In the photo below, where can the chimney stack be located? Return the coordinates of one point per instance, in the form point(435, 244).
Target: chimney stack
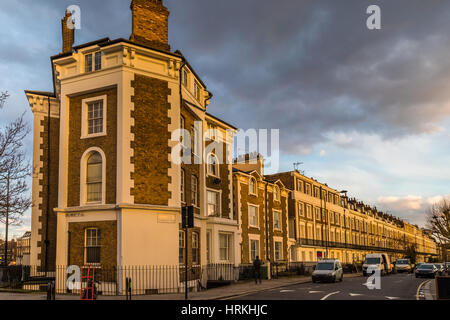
point(68, 34)
point(150, 24)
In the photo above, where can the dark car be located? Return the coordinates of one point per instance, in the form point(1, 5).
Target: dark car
point(426, 270)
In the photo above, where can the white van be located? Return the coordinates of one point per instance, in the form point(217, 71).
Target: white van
point(379, 260)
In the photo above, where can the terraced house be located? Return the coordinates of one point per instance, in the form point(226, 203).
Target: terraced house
point(326, 223)
point(261, 205)
point(105, 186)
point(112, 170)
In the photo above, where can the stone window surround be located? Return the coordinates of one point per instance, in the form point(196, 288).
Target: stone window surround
point(229, 244)
point(254, 237)
point(257, 216)
point(250, 191)
point(84, 117)
point(83, 175)
point(278, 240)
point(281, 219)
point(217, 175)
point(276, 190)
point(86, 246)
point(219, 204)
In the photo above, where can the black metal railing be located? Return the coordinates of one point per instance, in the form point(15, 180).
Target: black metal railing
point(111, 280)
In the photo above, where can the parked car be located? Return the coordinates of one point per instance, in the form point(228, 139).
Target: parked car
point(440, 269)
point(328, 270)
point(426, 270)
point(403, 265)
point(377, 260)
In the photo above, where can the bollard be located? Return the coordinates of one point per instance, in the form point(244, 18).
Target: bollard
point(128, 288)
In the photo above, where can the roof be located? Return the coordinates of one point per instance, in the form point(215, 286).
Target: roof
point(221, 121)
point(41, 93)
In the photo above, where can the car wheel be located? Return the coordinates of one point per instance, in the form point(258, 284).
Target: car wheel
point(314, 281)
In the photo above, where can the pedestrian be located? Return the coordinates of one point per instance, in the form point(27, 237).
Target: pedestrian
point(257, 270)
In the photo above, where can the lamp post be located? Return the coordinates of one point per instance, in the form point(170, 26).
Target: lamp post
point(344, 205)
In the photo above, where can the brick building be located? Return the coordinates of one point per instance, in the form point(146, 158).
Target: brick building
point(107, 190)
point(105, 186)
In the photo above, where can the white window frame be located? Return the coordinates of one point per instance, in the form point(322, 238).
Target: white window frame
point(277, 191)
point(250, 191)
point(257, 216)
point(280, 228)
point(208, 165)
point(254, 237)
point(84, 117)
point(230, 246)
point(183, 240)
point(183, 186)
point(219, 204)
point(195, 203)
point(83, 177)
point(86, 246)
point(280, 241)
point(301, 212)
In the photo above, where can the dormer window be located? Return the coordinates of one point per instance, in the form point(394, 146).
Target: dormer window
point(276, 193)
point(98, 61)
point(252, 186)
point(88, 63)
point(93, 63)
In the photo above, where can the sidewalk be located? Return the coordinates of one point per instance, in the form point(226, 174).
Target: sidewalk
point(429, 290)
point(226, 292)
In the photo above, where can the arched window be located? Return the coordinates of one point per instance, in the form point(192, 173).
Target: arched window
point(276, 193)
point(213, 165)
point(252, 186)
point(94, 177)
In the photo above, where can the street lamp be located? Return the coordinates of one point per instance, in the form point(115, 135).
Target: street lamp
point(344, 195)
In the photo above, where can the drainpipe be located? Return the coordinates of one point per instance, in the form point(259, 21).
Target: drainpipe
point(47, 242)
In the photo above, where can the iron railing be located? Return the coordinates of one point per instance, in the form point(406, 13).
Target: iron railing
point(111, 281)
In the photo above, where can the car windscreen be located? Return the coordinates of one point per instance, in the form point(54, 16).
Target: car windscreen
point(372, 261)
point(402, 262)
point(325, 266)
point(426, 267)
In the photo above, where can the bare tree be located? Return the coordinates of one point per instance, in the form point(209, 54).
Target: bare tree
point(3, 97)
point(14, 170)
point(439, 220)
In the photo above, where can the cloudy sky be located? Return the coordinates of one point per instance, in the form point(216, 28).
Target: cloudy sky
point(366, 111)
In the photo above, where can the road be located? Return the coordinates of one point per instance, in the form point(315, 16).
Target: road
point(393, 287)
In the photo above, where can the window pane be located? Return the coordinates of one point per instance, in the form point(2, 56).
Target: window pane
point(98, 60)
point(88, 63)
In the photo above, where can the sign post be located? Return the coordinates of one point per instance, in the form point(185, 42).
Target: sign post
point(187, 218)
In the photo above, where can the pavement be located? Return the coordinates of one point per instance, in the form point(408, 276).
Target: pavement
point(392, 287)
point(226, 292)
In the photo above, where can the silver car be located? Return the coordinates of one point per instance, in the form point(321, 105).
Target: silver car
point(328, 270)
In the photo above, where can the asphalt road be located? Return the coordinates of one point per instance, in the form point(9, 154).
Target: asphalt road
point(393, 287)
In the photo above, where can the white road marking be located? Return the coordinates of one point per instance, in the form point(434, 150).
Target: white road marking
point(315, 291)
point(392, 298)
point(355, 294)
point(329, 295)
point(283, 291)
